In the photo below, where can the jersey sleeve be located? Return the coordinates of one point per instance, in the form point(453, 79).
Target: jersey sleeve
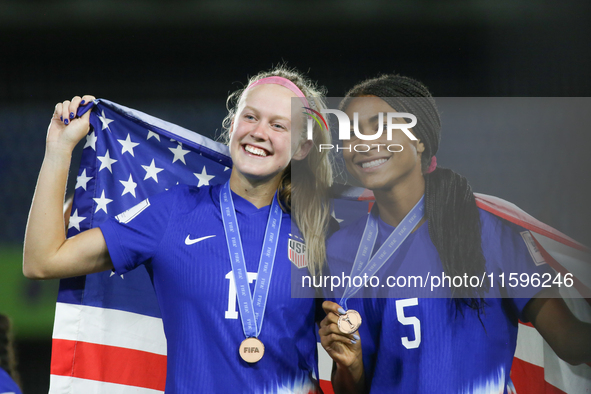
point(134, 236)
point(512, 256)
point(7, 385)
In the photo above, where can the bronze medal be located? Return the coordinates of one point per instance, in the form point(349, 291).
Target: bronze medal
point(251, 350)
point(349, 322)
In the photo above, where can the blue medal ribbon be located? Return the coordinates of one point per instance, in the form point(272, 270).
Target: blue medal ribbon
point(252, 309)
point(362, 264)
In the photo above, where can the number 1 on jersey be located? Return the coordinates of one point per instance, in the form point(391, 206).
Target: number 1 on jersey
point(232, 312)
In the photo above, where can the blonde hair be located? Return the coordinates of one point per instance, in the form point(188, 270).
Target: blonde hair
point(308, 191)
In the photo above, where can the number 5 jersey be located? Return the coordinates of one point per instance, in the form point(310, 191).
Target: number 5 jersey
point(417, 340)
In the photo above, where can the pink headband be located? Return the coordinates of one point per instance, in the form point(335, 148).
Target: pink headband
point(286, 83)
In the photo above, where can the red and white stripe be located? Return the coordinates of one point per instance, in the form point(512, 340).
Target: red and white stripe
point(299, 259)
point(536, 368)
point(98, 350)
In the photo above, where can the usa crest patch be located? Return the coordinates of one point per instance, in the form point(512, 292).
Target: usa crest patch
point(297, 253)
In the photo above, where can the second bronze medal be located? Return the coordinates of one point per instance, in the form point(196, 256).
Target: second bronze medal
point(349, 322)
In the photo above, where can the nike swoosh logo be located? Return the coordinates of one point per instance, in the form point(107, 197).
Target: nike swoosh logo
point(189, 241)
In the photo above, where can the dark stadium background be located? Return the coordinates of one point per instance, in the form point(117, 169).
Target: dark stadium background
point(179, 59)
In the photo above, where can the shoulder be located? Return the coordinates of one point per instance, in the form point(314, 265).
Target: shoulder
point(333, 226)
point(345, 232)
point(184, 198)
point(495, 229)
point(510, 246)
point(7, 384)
point(342, 245)
point(177, 201)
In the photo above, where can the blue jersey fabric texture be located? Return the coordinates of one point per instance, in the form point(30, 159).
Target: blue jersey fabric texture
point(194, 286)
point(7, 385)
point(426, 345)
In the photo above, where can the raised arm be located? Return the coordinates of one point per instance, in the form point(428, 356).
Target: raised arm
point(345, 350)
point(47, 252)
point(569, 337)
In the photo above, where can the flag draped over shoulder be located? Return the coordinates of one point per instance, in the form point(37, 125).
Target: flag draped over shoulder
point(108, 335)
point(536, 368)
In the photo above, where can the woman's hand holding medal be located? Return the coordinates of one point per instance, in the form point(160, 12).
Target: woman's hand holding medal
point(343, 348)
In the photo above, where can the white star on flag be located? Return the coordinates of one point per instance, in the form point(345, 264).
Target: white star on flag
point(129, 185)
point(226, 169)
point(203, 178)
point(179, 154)
point(335, 217)
point(82, 180)
point(152, 134)
point(128, 145)
point(113, 274)
point(101, 203)
point(106, 162)
point(152, 171)
point(105, 121)
point(75, 220)
point(90, 141)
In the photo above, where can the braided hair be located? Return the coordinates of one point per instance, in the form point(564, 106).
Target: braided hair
point(450, 206)
point(7, 357)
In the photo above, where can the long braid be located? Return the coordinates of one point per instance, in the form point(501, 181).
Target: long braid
point(454, 227)
point(7, 357)
point(450, 206)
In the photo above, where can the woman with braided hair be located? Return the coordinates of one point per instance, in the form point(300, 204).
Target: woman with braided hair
point(8, 374)
point(426, 220)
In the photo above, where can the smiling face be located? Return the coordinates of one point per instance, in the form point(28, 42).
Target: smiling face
point(260, 137)
point(381, 170)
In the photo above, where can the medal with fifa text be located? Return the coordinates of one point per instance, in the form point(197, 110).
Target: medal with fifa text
point(252, 350)
point(252, 308)
point(363, 266)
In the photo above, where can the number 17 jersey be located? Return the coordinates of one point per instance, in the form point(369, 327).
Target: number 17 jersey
point(179, 236)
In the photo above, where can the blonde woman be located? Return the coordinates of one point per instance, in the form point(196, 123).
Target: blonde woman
point(193, 237)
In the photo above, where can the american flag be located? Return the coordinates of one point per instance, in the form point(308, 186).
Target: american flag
point(536, 368)
point(108, 335)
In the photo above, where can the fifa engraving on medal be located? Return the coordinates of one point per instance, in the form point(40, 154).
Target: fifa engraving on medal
point(251, 350)
point(349, 322)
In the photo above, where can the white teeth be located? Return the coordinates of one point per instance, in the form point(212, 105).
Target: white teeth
point(374, 163)
point(255, 151)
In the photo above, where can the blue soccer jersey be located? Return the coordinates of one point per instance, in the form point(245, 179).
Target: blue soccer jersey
point(427, 345)
point(179, 236)
point(7, 385)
